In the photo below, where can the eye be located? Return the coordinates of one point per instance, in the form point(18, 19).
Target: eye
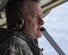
point(33, 15)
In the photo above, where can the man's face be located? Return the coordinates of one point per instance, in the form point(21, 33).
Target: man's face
point(33, 21)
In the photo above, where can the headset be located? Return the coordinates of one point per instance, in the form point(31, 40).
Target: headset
point(20, 21)
point(15, 20)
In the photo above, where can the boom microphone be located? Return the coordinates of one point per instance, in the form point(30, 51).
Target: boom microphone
point(51, 41)
point(42, 29)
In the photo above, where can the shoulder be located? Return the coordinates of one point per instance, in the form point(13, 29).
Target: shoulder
point(11, 43)
point(15, 45)
point(20, 45)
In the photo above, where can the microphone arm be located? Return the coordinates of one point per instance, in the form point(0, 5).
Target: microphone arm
point(52, 42)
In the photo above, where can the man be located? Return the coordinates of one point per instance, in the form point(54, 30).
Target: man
point(24, 18)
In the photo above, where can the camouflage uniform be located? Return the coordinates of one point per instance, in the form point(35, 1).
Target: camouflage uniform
point(18, 44)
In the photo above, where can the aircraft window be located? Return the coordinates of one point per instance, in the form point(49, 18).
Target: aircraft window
point(56, 23)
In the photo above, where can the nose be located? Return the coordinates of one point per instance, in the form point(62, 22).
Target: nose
point(41, 22)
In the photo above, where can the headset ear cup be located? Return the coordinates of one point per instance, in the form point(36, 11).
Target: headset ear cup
point(21, 24)
point(20, 21)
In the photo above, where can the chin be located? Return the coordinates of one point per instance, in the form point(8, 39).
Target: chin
point(39, 35)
